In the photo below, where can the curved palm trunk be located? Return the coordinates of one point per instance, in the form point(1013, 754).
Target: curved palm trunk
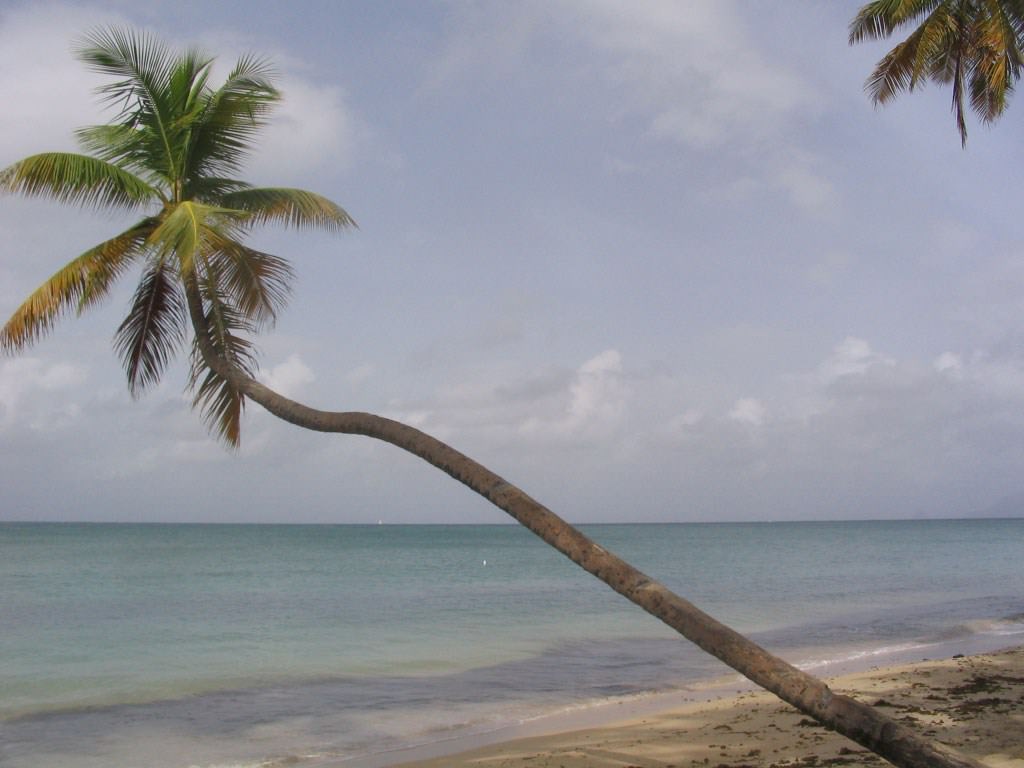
point(856, 720)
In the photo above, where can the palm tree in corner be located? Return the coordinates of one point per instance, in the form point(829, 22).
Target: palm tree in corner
point(975, 46)
point(171, 154)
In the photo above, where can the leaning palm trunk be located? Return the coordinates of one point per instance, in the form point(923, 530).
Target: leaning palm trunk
point(854, 719)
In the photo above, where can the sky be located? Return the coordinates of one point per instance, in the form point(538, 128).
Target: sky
point(650, 261)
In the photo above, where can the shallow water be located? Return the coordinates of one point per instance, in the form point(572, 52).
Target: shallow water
point(184, 645)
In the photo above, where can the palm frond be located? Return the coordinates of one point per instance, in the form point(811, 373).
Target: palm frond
point(142, 63)
point(80, 179)
point(188, 226)
point(219, 402)
point(974, 46)
point(291, 207)
point(82, 282)
point(211, 189)
point(178, 142)
point(258, 284)
point(158, 93)
point(998, 59)
point(222, 135)
point(114, 143)
point(220, 405)
point(152, 332)
point(880, 18)
point(903, 67)
point(110, 259)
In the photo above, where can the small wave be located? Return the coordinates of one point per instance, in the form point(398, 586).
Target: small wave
point(1006, 626)
point(861, 655)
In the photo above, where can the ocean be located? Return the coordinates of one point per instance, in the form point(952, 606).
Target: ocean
point(245, 646)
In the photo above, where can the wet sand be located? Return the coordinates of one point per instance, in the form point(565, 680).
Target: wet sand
point(972, 704)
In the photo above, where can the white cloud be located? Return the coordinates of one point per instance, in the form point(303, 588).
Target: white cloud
point(596, 401)
point(809, 191)
point(851, 356)
point(289, 377)
point(30, 391)
point(748, 410)
point(694, 68)
point(312, 128)
point(859, 433)
point(47, 93)
point(949, 363)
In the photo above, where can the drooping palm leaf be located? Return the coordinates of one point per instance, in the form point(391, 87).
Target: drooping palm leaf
point(974, 46)
point(904, 66)
point(67, 177)
point(999, 60)
point(152, 332)
point(80, 283)
point(220, 404)
point(112, 259)
point(257, 283)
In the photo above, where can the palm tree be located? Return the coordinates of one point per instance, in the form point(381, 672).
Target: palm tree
point(170, 153)
point(975, 45)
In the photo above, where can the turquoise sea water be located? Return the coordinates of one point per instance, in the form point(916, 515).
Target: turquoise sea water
point(174, 646)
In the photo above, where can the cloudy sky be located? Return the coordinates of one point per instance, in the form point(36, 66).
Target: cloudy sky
point(654, 261)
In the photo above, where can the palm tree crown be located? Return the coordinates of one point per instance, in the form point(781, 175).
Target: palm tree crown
point(973, 45)
point(171, 153)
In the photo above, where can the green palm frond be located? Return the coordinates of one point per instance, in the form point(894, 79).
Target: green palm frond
point(188, 227)
point(159, 94)
point(141, 62)
point(144, 67)
point(68, 177)
point(116, 144)
point(903, 67)
point(152, 332)
point(81, 283)
point(212, 189)
point(291, 207)
point(222, 135)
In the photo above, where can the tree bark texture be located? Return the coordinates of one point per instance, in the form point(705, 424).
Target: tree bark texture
point(858, 721)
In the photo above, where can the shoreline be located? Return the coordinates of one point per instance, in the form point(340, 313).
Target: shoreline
point(974, 704)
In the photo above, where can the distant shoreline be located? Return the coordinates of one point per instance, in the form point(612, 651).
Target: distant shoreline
point(512, 523)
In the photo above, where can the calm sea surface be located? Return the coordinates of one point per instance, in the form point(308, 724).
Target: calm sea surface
point(173, 646)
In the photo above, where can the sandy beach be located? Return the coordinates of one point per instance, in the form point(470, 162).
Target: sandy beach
point(973, 704)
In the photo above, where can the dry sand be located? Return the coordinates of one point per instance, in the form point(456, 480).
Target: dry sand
point(973, 704)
